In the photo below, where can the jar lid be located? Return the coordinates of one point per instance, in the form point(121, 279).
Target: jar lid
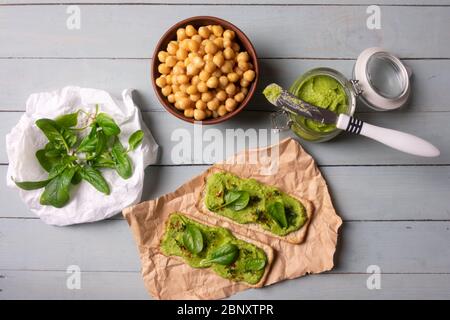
point(382, 80)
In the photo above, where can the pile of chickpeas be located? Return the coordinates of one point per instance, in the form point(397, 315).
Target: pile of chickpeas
point(203, 73)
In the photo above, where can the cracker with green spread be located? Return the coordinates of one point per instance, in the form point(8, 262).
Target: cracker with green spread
point(258, 206)
point(213, 248)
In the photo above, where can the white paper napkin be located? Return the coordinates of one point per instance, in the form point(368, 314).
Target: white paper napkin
point(86, 204)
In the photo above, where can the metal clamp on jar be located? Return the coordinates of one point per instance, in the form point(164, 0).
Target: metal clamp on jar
point(380, 80)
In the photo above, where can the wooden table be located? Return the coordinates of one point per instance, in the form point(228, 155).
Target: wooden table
point(395, 207)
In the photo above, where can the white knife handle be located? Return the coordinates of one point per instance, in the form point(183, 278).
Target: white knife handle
point(395, 139)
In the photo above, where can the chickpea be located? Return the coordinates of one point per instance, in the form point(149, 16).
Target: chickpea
point(207, 96)
point(204, 32)
point(183, 87)
point(197, 38)
point(182, 79)
point(233, 77)
point(249, 75)
point(178, 70)
point(199, 114)
point(171, 98)
point(210, 67)
point(192, 70)
point(217, 74)
point(222, 111)
point(161, 81)
point(227, 43)
point(204, 75)
point(229, 53)
point(243, 56)
point(230, 89)
point(227, 67)
point(219, 59)
point(244, 91)
point(181, 54)
point(208, 113)
point(217, 30)
point(221, 95)
point(163, 69)
point(195, 97)
point(181, 34)
point(244, 83)
point(175, 88)
point(166, 91)
point(200, 104)
point(172, 47)
point(198, 62)
point(212, 82)
point(212, 37)
point(191, 89)
point(169, 79)
point(208, 57)
point(162, 55)
point(195, 80)
point(235, 46)
point(223, 81)
point(180, 95)
point(213, 104)
point(230, 104)
point(193, 45)
point(239, 97)
point(215, 114)
point(171, 61)
point(218, 42)
point(189, 113)
point(202, 87)
point(177, 105)
point(184, 44)
point(239, 72)
point(244, 66)
point(210, 47)
point(190, 31)
point(185, 103)
point(229, 34)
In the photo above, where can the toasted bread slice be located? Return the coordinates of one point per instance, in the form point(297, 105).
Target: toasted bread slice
point(294, 237)
point(266, 248)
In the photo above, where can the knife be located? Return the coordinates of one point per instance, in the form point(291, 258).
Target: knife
point(402, 141)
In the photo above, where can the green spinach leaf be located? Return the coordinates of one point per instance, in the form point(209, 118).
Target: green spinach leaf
point(224, 255)
point(95, 178)
point(57, 192)
point(193, 238)
point(52, 131)
point(277, 212)
point(255, 264)
point(135, 139)
point(235, 200)
point(45, 161)
point(109, 126)
point(31, 185)
point(68, 120)
point(121, 160)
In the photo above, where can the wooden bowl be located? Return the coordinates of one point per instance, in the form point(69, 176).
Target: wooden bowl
point(197, 22)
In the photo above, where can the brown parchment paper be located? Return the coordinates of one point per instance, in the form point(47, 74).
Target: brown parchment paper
point(295, 173)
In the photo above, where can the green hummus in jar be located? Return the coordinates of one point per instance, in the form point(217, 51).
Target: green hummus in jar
point(325, 92)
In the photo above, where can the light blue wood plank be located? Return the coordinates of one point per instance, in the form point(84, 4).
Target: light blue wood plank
point(246, 2)
point(396, 247)
point(429, 85)
point(300, 31)
point(346, 149)
point(118, 285)
point(395, 191)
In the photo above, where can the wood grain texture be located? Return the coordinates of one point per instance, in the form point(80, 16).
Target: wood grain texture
point(397, 247)
point(300, 31)
point(346, 149)
point(119, 285)
point(395, 193)
point(429, 84)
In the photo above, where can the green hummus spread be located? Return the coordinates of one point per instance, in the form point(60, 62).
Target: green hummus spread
point(325, 92)
point(247, 266)
point(259, 209)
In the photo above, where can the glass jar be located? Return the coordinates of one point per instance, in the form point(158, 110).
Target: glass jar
point(380, 80)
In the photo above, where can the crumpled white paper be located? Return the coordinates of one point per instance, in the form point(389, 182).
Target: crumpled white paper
point(86, 203)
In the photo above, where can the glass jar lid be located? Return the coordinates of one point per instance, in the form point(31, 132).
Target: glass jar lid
point(381, 80)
